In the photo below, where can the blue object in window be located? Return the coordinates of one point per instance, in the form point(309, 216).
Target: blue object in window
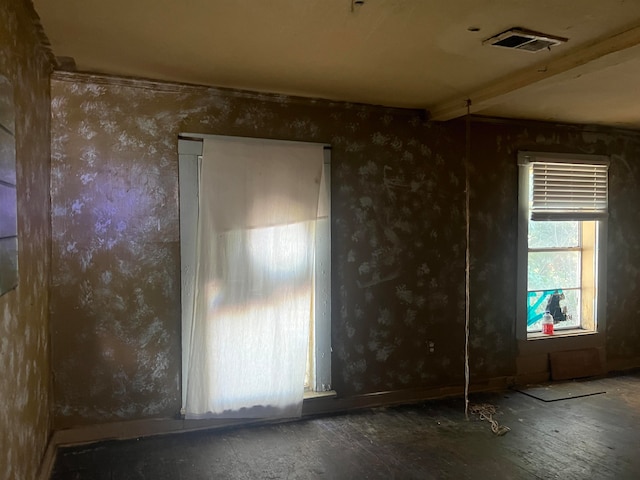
point(532, 316)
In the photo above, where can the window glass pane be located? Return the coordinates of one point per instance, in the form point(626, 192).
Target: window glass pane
point(573, 307)
point(8, 211)
point(552, 270)
point(538, 302)
point(536, 306)
point(8, 199)
point(554, 234)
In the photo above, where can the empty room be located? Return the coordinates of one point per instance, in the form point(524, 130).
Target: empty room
point(328, 239)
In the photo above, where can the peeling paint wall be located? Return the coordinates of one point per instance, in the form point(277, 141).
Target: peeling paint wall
point(398, 243)
point(25, 398)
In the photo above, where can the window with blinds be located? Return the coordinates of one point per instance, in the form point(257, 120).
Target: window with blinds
point(568, 191)
point(563, 207)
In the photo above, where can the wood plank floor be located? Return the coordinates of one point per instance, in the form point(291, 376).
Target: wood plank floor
point(594, 437)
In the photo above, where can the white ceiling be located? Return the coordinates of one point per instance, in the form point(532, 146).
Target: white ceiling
point(404, 53)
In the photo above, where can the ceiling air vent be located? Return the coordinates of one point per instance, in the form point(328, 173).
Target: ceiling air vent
point(521, 39)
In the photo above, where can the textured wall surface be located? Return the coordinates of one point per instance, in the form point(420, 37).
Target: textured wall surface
point(623, 256)
point(24, 346)
point(398, 241)
point(494, 223)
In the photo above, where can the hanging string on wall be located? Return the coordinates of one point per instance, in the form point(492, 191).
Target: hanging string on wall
point(485, 411)
point(467, 263)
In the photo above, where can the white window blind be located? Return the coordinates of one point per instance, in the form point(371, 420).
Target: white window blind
point(568, 190)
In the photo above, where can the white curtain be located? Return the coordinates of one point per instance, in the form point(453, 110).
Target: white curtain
point(258, 204)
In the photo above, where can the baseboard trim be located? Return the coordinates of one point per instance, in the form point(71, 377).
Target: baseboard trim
point(322, 405)
point(141, 428)
point(533, 378)
point(48, 460)
point(623, 364)
point(314, 406)
point(329, 405)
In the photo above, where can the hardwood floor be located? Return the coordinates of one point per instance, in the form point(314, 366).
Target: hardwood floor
point(592, 437)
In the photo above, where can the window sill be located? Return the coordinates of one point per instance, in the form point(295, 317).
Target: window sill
point(310, 395)
point(574, 332)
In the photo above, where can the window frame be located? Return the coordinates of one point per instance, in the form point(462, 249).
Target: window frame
point(525, 159)
point(585, 276)
point(189, 158)
point(8, 191)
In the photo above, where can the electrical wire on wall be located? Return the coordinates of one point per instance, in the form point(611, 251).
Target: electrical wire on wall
point(484, 411)
point(467, 262)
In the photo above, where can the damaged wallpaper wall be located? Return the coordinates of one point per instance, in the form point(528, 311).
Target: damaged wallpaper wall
point(494, 223)
point(25, 400)
point(398, 239)
point(398, 243)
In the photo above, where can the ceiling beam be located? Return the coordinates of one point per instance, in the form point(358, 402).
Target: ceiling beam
point(502, 89)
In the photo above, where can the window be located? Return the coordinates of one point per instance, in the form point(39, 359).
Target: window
point(8, 197)
point(318, 370)
point(561, 242)
point(267, 236)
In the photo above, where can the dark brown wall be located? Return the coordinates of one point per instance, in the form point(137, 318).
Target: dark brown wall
point(494, 148)
point(25, 400)
point(398, 244)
